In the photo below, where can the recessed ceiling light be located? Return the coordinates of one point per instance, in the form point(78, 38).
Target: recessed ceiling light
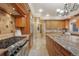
point(58, 10)
point(47, 15)
point(40, 10)
point(13, 8)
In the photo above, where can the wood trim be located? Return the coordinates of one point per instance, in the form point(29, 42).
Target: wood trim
point(21, 8)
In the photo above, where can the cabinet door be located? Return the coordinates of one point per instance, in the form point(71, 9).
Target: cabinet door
point(23, 22)
point(57, 48)
point(66, 24)
point(77, 23)
point(53, 48)
point(65, 52)
point(20, 22)
point(47, 44)
point(50, 45)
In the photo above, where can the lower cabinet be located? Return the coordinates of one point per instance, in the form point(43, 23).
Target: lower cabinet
point(54, 49)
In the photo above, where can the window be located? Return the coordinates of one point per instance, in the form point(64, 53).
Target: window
point(74, 28)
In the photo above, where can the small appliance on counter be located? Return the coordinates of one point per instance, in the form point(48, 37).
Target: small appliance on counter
point(18, 32)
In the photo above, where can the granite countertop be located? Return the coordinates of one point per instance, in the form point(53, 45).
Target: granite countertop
point(67, 43)
point(25, 35)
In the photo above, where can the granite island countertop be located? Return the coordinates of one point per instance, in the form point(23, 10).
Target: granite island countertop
point(66, 42)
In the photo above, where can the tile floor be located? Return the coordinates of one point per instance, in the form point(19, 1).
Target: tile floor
point(39, 46)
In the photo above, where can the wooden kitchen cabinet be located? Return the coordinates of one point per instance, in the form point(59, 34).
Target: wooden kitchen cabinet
point(20, 22)
point(54, 49)
point(50, 46)
point(23, 23)
point(66, 24)
point(55, 24)
point(77, 23)
point(57, 48)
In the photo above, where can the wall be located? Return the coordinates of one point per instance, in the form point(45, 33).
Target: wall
point(7, 25)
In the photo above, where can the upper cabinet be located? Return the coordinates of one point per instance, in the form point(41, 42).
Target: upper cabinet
point(55, 24)
point(77, 23)
point(66, 24)
point(20, 21)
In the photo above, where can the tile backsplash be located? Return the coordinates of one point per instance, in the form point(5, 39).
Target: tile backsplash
point(7, 24)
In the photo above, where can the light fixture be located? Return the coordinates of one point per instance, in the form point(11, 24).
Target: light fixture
point(13, 8)
point(66, 11)
point(61, 11)
point(8, 15)
point(40, 10)
point(58, 10)
point(68, 8)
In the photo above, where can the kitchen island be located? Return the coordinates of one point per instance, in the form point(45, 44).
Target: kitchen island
point(61, 45)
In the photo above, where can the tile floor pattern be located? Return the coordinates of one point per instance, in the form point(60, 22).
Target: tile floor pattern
point(39, 46)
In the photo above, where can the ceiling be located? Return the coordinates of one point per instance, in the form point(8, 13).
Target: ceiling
point(15, 9)
point(48, 8)
point(8, 8)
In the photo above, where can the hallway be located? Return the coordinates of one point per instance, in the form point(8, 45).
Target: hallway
point(39, 46)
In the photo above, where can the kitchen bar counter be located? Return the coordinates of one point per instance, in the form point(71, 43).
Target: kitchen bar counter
point(62, 40)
